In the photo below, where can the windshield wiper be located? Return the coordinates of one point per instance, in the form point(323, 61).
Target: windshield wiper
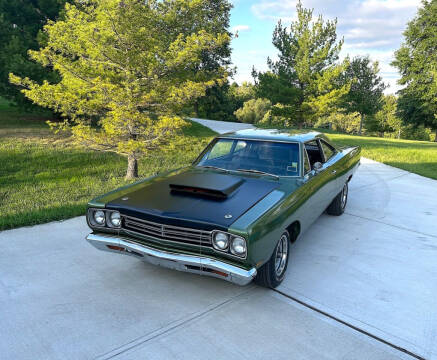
point(213, 167)
point(258, 172)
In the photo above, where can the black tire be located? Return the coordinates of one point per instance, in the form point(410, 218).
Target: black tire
point(272, 273)
point(339, 203)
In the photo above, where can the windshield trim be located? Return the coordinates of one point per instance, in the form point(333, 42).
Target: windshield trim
point(259, 172)
point(195, 162)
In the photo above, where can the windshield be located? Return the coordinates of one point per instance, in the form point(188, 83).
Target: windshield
point(277, 158)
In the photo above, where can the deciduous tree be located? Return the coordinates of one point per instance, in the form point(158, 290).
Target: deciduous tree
point(386, 120)
point(239, 94)
point(132, 65)
point(417, 63)
point(342, 122)
point(214, 104)
point(221, 101)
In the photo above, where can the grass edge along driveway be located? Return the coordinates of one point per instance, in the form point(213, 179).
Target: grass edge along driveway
point(43, 178)
point(419, 157)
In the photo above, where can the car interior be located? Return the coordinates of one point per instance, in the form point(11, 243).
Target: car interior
point(314, 152)
point(319, 151)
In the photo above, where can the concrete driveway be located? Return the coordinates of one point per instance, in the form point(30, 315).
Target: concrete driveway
point(222, 127)
point(359, 286)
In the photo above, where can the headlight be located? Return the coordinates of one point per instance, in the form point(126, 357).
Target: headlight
point(220, 241)
point(238, 246)
point(115, 219)
point(99, 217)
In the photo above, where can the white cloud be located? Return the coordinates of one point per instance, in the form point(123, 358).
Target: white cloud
point(359, 21)
point(240, 28)
point(367, 44)
point(274, 10)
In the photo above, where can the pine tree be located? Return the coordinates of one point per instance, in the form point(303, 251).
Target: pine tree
point(307, 74)
point(366, 92)
point(132, 65)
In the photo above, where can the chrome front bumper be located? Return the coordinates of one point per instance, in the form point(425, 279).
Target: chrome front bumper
point(187, 263)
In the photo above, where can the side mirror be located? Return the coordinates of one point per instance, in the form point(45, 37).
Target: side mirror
point(317, 167)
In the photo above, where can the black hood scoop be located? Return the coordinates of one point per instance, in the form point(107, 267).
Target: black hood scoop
point(194, 199)
point(207, 185)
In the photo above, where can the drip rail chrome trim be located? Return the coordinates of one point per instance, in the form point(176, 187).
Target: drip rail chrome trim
point(187, 263)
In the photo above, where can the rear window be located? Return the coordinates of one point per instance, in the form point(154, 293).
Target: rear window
point(328, 150)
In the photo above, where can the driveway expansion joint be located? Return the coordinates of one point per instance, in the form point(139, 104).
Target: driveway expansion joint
point(170, 327)
point(353, 327)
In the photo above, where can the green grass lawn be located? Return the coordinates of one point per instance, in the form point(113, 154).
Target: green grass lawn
point(43, 178)
point(419, 157)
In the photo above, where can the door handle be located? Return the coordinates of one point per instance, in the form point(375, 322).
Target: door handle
point(334, 171)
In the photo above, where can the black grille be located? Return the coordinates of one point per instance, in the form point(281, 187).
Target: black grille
point(167, 232)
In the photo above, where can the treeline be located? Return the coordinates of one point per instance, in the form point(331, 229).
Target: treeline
point(21, 24)
point(307, 85)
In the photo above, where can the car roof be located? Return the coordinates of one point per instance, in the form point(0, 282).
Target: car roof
point(273, 135)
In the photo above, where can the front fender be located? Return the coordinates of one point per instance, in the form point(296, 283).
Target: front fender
point(264, 223)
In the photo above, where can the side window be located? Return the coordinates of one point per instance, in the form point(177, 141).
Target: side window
point(221, 148)
point(314, 152)
point(328, 150)
point(306, 163)
point(240, 146)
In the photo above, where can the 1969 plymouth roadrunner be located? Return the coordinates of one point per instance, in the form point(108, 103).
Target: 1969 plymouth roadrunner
point(233, 213)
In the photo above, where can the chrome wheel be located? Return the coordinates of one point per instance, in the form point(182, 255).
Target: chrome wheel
point(344, 193)
point(281, 256)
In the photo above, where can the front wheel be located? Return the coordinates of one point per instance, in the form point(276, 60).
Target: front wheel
point(338, 205)
point(272, 272)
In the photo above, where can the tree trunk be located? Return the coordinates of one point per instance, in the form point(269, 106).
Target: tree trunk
point(196, 108)
point(435, 140)
point(132, 167)
point(361, 124)
point(399, 134)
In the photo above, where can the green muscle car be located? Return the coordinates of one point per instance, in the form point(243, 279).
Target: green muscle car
point(233, 213)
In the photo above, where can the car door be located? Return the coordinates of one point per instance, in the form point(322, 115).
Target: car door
point(316, 189)
point(326, 175)
point(313, 194)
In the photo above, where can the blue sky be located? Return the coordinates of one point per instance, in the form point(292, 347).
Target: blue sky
point(369, 27)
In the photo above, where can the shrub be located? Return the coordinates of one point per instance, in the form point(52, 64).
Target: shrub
point(253, 111)
point(411, 132)
point(345, 123)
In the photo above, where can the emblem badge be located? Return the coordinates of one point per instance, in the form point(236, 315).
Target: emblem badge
point(228, 216)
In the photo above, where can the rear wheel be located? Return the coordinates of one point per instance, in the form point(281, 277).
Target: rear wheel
point(272, 272)
point(338, 205)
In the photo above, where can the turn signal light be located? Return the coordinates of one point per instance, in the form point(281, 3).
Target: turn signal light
point(113, 247)
point(219, 273)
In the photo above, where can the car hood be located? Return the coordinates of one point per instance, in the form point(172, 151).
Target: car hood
point(194, 198)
